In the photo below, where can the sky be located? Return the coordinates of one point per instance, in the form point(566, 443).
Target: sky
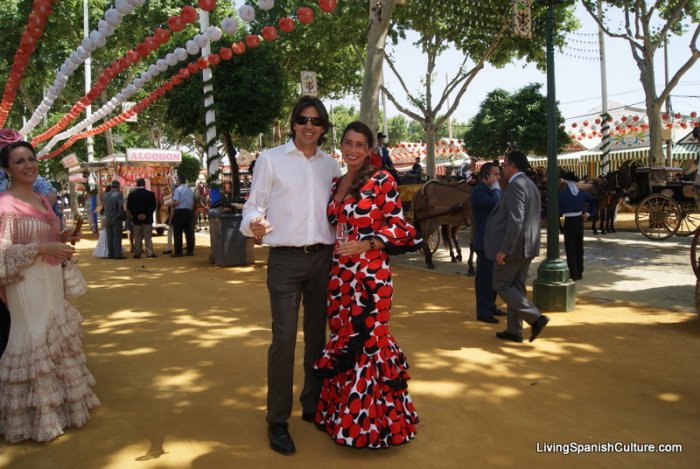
point(578, 80)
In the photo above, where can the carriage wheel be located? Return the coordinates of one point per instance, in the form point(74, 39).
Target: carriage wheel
point(433, 241)
point(694, 252)
point(658, 217)
point(690, 220)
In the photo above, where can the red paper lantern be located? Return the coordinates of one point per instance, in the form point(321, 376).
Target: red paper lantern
point(188, 14)
point(151, 43)
point(305, 15)
point(574, 125)
point(597, 121)
point(143, 50)
point(214, 59)
point(252, 40)
point(286, 25)
point(677, 115)
point(664, 117)
point(226, 53)
point(238, 48)
point(207, 5)
point(327, 5)
point(42, 8)
point(635, 118)
point(585, 123)
point(192, 67)
point(176, 24)
point(183, 73)
point(623, 118)
point(168, 86)
point(269, 33)
point(177, 79)
point(162, 35)
point(693, 114)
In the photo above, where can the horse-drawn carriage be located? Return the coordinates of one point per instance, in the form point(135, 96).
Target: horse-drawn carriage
point(665, 202)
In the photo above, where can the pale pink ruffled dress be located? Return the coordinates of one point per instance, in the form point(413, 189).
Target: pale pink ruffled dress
point(45, 385)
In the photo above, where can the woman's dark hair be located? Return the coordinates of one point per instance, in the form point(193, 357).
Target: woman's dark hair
point(367, 169)
point(306, 102)
point(7, 149)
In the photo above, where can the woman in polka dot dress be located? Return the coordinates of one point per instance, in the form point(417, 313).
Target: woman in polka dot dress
point(364, 400)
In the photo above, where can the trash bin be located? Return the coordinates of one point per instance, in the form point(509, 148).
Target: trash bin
point(228, 245)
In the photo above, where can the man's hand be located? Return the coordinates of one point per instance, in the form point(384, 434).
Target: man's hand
point(500, 258)
point(260, 227)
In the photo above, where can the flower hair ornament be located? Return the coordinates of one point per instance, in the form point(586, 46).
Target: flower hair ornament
point(8, 136)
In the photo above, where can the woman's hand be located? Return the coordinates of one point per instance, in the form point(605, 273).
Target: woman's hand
point(60, 251)
point(356, 247)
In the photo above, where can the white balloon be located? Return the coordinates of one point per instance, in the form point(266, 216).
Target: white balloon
point(153, 70)
point(229, 25)
point(131, 89)
point(161, 65)
point(247, 13)
point(88, 44)
point(101, 42)
point(192, 47)
point(213, 33)
point(105, 28)
point(65, 70)
point(201, 40)
point(138, 82)
point(95, 36)
point(113, 17)
point(170, 59)
point(266, 4)
point(180, 54)
point(124, 7)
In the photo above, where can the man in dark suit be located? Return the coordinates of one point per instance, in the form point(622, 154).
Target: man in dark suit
point(141, 204)
point(113, 204)
point(512, 240)
point(484, 198)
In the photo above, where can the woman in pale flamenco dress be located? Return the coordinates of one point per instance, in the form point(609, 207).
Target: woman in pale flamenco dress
point(45, 385)
point(101, 246)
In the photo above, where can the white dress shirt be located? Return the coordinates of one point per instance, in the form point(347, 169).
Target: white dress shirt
point(292, 192)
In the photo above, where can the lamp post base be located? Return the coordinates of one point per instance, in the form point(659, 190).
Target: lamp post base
point(554, 291)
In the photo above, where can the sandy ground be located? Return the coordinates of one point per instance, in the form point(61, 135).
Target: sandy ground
point(178, 347)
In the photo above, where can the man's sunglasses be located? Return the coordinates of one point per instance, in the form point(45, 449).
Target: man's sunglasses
point(315, 121)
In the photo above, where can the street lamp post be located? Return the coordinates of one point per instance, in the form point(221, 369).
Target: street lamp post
point(553, 290)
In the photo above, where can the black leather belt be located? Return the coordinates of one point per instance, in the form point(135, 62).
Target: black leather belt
point(305, 249)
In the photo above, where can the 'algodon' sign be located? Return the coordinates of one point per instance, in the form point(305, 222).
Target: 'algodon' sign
point(153, 155)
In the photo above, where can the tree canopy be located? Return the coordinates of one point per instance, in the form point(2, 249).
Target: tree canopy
point(518, 118)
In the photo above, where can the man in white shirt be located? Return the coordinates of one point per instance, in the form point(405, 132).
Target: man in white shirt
point(286, 209)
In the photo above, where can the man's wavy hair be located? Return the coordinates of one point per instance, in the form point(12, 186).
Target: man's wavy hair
point(307, 102)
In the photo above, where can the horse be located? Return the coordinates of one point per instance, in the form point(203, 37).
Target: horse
point(609, 189)
point(443, 205)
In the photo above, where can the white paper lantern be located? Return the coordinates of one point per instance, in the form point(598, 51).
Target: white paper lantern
point(65, 70)
point(95, 36)
point(247, 13)
point(75, 58)
point(229, 25)
point(213, 33)
point(192, 47)
point(161, 65)
point(131, 89)
point(266, 4)
point(113, 17)
point(153, 70)
point(180, 54)
point(87, 44)
point(124, 7)
point(170, 59)
point(105, 28)
point(82, 53)
point(201, 40)
point(101, 43)
point(138, 82)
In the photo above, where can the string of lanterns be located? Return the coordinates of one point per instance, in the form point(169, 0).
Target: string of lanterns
point(628, 124)
point(304, 15)
point(36, 22)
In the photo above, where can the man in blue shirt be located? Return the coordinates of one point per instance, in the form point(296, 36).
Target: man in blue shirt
point(183, 220)
point(572, 206)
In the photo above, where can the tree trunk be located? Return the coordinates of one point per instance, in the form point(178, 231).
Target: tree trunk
point(380, 12)
point(430, 150)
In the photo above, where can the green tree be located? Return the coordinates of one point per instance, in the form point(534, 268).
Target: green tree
point(519, 118)
point(482, 32)
point(645, 29)
point(189, 168)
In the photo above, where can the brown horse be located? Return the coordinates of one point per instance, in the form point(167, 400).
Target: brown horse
point(440, 203)
point(609, 189)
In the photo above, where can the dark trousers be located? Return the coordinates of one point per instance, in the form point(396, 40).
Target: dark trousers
point(483, 287)
point(4, 326)
point(114, 240)
point(573, 245)
point(293, 277)
point(183, 222)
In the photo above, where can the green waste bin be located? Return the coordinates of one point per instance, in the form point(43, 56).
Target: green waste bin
point(228, 245)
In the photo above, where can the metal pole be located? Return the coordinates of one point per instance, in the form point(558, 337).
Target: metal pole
point(213, 159)
point(553, 290)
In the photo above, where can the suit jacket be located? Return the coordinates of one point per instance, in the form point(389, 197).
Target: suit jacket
point(141, 201)
point(514, 225)
point(483, 201)
point(113, 204)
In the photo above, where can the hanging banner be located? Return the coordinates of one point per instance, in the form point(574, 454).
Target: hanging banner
point(308, 84)
point(522, 18)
